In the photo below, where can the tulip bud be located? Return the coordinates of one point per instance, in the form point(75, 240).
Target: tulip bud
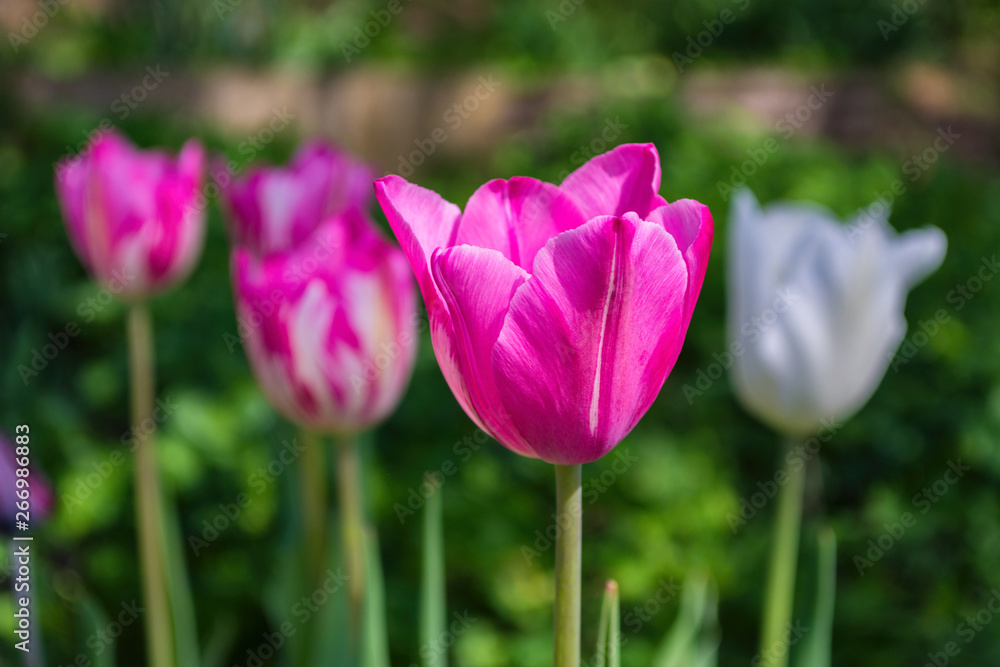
point(326, 304)
point(817, 307)
point(557, 312)
point(134, 217)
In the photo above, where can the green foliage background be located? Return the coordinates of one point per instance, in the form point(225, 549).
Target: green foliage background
point(666, 514)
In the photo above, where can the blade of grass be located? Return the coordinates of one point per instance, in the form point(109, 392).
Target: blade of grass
point(691, 640)
point(601, 654)
point(375, 640)
point(614, 626)
point(98, 622)
point(220, 642)
point(178, 585)
point(816, 652)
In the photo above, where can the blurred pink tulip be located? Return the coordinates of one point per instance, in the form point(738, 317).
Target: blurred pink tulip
point(557, 312)
point(133, 216)
point(327, 307)
point(39, 489)
point(277, 208)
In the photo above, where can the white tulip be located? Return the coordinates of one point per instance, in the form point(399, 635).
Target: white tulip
point(817, 307)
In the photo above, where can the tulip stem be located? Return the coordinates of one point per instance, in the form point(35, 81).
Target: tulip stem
point(780, 594)
point(569, 539)
point(314, 501)
point(148, 497)
point(352, 523)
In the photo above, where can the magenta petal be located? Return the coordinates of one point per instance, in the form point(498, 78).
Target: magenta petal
point(477, 285)
point(133, 216)
point(329, 328)
point(422, 221)
point(517, 218)
point(591, 336)
point(690, 223)
point(620, 181)
point(71, 189)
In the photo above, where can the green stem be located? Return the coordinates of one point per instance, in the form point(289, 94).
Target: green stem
point(352, 523)
point(159, 632)
point(569, 539)
point(784, 559)
point(433, 607)
point(313, 482)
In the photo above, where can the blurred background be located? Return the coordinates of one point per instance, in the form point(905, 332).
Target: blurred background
point(833, 102)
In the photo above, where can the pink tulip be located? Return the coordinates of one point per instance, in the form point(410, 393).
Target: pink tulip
point(557, 312)
point(326, 306)
point(278, 208)
point(132, 215)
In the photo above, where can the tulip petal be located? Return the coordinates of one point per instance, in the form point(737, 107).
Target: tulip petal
point(590, 338)
point(623, 180)
point(422, 221)
point(918, 253)
point(477, 284)
point(274, 209)
point(329, 327)
point(690, 224)
point(517, 217)
point(818, 307)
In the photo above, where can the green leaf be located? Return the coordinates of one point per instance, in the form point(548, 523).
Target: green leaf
point(601, 650)
point(178, 585)
point(693, 641)
point(96, 621)
point(375, 639)
point(433, 606)
point(614, 628)
point(817, 647)
point(331, 638)
point(220, 641)
point(608, 653)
